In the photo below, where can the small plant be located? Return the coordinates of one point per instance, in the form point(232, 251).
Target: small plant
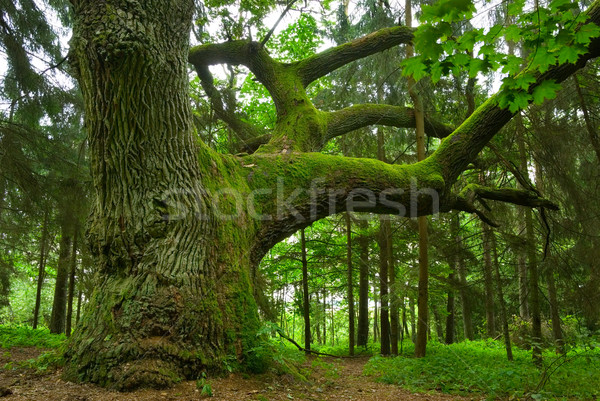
point(204, 386)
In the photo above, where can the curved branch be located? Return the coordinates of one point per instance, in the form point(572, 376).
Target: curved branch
point(354, 117)
point(323, 63)
point(291, 191)
point(247, 53)
point(243, 129)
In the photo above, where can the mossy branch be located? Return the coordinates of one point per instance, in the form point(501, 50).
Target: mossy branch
point(291, 191)
point(354, 117)
point(323, 63)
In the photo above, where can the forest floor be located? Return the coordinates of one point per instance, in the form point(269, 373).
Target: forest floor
point(328, 379)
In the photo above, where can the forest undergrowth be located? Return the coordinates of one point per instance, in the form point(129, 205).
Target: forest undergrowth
point(468, 370)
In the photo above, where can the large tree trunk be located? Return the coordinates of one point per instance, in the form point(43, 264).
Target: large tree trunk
point(173, 267)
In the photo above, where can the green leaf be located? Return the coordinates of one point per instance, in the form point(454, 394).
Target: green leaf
point(512, 33)
point(546, 90)
point(414, 67)
point(584, 34)
point(568, 54)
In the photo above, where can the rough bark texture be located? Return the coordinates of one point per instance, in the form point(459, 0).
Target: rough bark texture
point(174, 295)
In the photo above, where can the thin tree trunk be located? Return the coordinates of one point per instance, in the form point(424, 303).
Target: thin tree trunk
point(423, 298)
point(79, 300)
point(439, 330)
point(324, 316)
point(41, 270)
point(363, 293)
point(318, 324)
point(305, 295)
point(534, 291)
point(465, 298)
point(376, 311)
point(449, 337)
point(586, 117)
point(393, 304)
point(71, 291)
point(384, 230)
point(532, 264)
point(523, 302)
point(488, 282)
point(350, 286)
point(501, 302)
point(557, 333)
point(59, 305)
point(332, 322)
point(413, 321)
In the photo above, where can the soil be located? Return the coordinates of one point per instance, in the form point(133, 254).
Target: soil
point(329, 379)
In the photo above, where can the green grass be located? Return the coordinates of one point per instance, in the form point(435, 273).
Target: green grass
point(22, 336)
point(481, 367)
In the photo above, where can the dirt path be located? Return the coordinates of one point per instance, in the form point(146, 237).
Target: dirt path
point(328, 380)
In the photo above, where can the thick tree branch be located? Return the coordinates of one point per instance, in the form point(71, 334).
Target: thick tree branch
point(354, 117)
point(323, 63)
point(289, 192)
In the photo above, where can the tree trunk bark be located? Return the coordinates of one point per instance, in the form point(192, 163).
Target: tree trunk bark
point(351, 317)
point(586, 117)
point(376, 311)
point(305, 294)
point(41, 271)
point(174, 271)
point(423, 298)
point(501, 302)
point(363, 293)
point(465, 298)
point(71, 291)
point(59, 305)
point(393, 304)
point(384, 234)
point(523, 302)
point(488, 282)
